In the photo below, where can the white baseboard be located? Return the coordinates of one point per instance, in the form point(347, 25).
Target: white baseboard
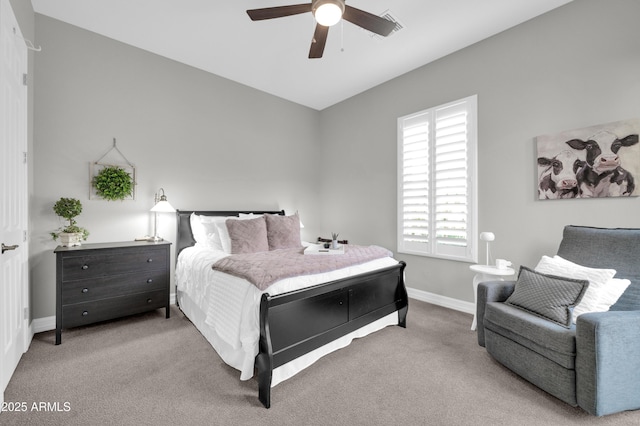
point(444, 301)
point(38, 325)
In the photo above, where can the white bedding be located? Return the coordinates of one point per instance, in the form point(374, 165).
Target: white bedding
point(226, 309)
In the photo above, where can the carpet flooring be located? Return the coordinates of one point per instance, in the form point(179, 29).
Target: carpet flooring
point(148, 370)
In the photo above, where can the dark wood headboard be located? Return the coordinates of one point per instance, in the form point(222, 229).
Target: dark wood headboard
point(185, 235)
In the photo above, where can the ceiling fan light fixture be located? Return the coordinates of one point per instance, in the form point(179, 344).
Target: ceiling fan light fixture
point(328, 12)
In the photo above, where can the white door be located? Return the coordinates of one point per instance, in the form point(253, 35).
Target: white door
point(13, 196)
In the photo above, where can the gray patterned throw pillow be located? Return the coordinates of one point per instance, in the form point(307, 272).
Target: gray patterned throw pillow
point(547, 296)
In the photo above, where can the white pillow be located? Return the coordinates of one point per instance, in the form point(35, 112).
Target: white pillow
point(212, 241)
point(611, 293)
point(196, 228)
point(603, 290)
point(204, 230)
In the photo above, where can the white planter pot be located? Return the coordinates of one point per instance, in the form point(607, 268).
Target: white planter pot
point(70, 239)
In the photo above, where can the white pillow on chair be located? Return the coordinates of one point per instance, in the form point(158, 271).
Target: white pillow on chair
point(603, 290)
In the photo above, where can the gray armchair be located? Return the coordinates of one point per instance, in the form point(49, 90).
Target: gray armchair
point(595, 364)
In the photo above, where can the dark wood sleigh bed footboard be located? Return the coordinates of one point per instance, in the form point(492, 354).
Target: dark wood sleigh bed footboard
point(295, 323)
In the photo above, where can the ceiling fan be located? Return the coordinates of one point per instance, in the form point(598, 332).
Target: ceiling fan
point(326, 13)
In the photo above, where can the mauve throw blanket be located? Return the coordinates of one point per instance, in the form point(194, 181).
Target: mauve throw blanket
point(264, 268)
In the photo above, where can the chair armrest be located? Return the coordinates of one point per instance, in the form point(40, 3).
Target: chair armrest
point(608, 361)
point(490, 291)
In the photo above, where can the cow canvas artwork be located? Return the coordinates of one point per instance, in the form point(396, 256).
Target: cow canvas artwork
point(592, 162)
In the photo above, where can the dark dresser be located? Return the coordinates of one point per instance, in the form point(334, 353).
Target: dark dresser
point(98, 282)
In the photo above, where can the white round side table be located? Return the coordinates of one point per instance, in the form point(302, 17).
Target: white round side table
point(486, 273)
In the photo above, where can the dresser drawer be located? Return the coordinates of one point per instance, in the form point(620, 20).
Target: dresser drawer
point(101, 310)
point(122, 261)
point(79, 291)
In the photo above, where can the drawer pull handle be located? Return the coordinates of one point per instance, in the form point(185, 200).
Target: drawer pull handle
point(85, 266)
point(150, 280)
point(149, 300)
point(85, 290)
point(149, 260)
point(85, 313)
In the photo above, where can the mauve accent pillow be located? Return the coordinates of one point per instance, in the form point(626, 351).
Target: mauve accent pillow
point(248, 236)
point(283, 231)
point(547, 296)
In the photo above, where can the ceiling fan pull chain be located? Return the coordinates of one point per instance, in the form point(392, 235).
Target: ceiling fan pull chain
point(342, 36)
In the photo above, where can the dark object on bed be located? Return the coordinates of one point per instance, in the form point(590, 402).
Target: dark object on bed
point(295, 323)
point(326, 240)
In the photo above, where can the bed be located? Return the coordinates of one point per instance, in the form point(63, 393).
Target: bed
point(287, 326)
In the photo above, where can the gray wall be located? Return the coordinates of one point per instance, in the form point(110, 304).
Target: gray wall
point(576, 66)
point(215, 144)
point(209, 142)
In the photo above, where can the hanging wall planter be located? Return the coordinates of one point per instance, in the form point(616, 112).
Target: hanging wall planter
point(114, 180)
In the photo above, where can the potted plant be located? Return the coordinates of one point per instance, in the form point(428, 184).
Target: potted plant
point(71, 234)
point(113, 183)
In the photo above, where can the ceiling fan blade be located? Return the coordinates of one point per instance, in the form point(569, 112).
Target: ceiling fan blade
point(318, 41)
point(278, 11)
point(368, 21)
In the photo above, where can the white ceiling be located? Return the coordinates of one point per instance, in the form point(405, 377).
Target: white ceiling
point(218, 37)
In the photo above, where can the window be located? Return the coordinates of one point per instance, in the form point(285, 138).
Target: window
point(437, 191)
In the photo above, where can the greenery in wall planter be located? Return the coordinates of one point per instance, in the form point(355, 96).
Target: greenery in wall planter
point(71, 234)
point(113, 183)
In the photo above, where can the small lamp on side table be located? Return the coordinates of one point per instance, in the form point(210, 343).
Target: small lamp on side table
point(161, 205)
point(487, 272)
point(487, 237)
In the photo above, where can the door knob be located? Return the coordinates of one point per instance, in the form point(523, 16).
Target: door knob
point(7, 248)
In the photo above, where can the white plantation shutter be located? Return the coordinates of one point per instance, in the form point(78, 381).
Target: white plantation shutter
point(436, 181)
point(415, 177)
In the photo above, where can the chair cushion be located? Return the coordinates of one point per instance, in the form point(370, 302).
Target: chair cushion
point(535, 333)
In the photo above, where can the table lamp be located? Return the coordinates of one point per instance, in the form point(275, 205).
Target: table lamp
point(161, 205)
point(487, 237)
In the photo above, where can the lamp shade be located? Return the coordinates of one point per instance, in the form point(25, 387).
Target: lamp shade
point(487, 236)
point(163, 206)
point(328, 12)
